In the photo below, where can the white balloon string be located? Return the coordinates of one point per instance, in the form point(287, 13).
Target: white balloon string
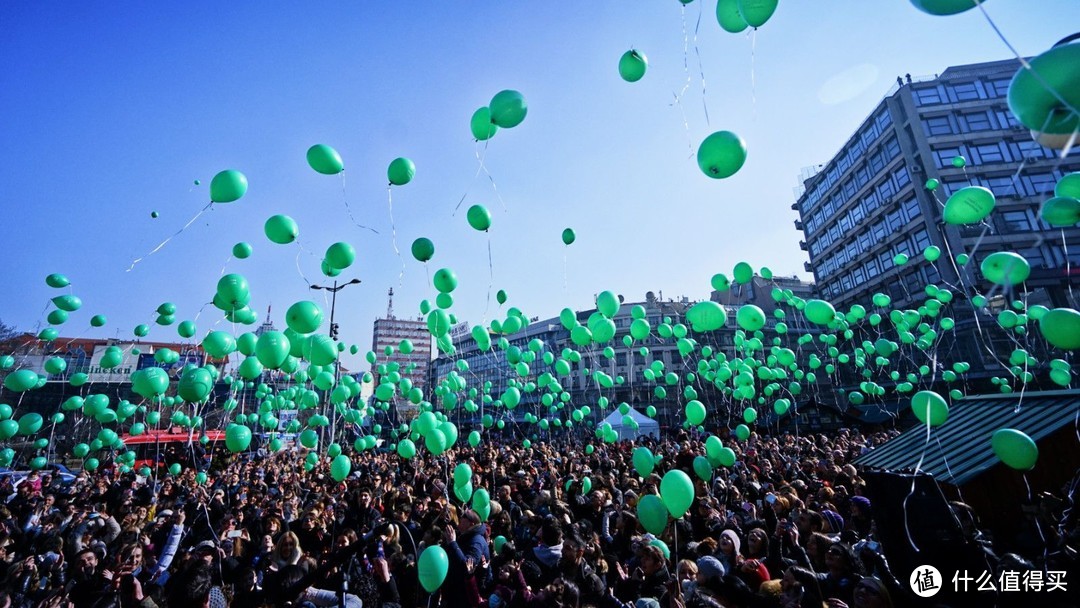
point(1068, 265)
point(479, 169)
point(393, 234)
point(166, 241)
point(914, 478)
point(686, 85)
point(1024, 62)
point(701, 69)
point(348, 209)
point(301, 272)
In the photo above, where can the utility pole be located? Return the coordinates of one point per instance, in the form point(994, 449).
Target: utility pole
point(334, 336)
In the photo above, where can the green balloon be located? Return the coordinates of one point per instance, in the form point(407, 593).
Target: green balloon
point(632, 66)
point(1015, 448)
point(643, 461)
point(68, 303)
point(30, 423)
point(706, 316)
point(1005, 268)
point(742, 432)
point(729, 17)
point(607, 304)
point(272, 349)
point(944, 7)
point(508, 109)
point(1061, 211)
point(324, 159)
point(702, 468)
point(304, 317)
point(309, 439)
point(57, 317)
point(1068, 186)
point(423, 249)
point(1061, 328)
point(568, 236)
point(219, 344)
point(968, 205)
point(652, 513)
point(750, 317)
point(340, 255)
point(340, 467)
point(757, 12)
point(57, 281)
point(695, 412)
point(726, 456)
point(721, 155)
point(479, 218)
point(242, 250)
point(195, 384)
point(406, 449)
point(21, 380)
point(481, 126)
point(281, 229)
point(432, 567)
point(677, 492)
point(932, 253)
point(819, 312)
point(1036, 93)
point(98, 321)
point(228, 186)
point(930, 408)
point(175, 468)
point(445, 280)
point(400, 171)
point(237, 438)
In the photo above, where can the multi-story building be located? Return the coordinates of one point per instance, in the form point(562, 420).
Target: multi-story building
point(392, 332)
point(871, 201)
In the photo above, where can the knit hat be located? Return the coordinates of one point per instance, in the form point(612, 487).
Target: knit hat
point(734, 539)
point(836, 522)
point(862, 501)
point(710, 567)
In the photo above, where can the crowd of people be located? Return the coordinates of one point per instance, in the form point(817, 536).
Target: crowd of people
point(789, 525)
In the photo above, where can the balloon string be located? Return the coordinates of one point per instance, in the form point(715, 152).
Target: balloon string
point(177, 233)
point(348, 209)
point(1068, 265)
point(1024, 62)
point(686, 86)
point(914, 478)
point(701, 69)
point(479, 168)
point(301, 272)
point(393, 234)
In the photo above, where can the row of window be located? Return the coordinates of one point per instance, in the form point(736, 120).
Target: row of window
point(900, 287)
point(1035, 184)
point(996, 152)
point(880, 194)
point(974, 121)
point(939, 92)
point(891, 223)
point(875, 127)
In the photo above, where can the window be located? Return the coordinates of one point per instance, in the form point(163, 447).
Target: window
point(895, 221)
point(1027, 149)
point(1003, 185)
point(883, 121)
point(943, 156)
point(921, 240)
point(976, 121)
point(927, 96)
point(999, 87)
point(1006, 120)
point(1040, 183)
point(989, 153)
point(911, 209)
point(937, 125)
point(892, 148)
point(967, 91)
point(1015, 221)
point(902, 177)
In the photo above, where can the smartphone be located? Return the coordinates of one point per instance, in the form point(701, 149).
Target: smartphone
point(770, 498)
point(746, 506)
point(235, 534)
point(873, 545)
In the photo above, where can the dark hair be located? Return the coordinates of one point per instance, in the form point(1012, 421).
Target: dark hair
point(190, 587)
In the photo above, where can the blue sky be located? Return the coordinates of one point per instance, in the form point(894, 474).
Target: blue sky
point(110, 111)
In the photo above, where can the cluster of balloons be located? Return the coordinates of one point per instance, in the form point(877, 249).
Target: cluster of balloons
point(507, 110)
point(735, 16)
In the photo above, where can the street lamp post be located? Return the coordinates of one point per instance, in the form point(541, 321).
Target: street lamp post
point(333, 335)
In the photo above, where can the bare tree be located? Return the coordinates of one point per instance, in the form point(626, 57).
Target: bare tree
point(7, 332)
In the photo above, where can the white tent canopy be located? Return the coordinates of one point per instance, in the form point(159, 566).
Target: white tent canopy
point(645, 425)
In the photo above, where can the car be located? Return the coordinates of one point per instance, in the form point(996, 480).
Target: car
point(66, 475)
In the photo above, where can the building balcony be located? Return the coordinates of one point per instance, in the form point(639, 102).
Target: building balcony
point(798, 225)
point(803, 246)
point(806, 266)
